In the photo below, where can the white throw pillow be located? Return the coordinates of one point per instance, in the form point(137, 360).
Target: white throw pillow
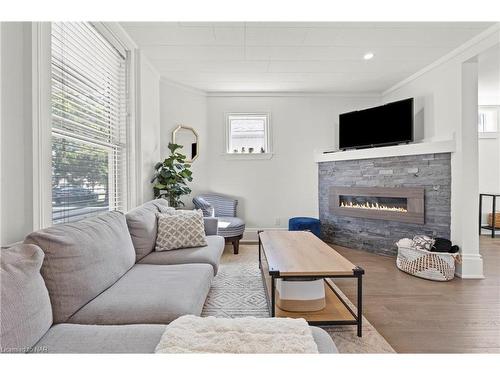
point(180, 229)
point(422, 242)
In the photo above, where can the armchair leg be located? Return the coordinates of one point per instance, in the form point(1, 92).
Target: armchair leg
point(236, 246)
point(236, 242)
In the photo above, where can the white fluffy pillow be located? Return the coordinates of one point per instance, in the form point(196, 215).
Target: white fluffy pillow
point(422, 242)
point(180, 229)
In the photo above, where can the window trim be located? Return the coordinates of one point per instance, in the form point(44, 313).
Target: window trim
point(253, 156)
point(42, 119)
point(42, 125)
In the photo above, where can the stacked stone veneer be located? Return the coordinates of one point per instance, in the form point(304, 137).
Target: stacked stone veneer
point(430, 171)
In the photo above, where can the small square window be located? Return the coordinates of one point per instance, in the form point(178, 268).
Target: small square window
point(248, 133)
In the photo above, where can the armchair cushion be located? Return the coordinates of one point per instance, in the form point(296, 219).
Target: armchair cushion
point(231, 226)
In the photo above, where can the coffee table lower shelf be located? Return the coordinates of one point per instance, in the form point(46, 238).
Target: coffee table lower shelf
point(336, 312)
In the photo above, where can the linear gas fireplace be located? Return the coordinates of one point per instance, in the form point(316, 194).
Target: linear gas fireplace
point(398, 204)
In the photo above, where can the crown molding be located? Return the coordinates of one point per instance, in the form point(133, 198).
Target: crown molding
point(191, 89)
point(489, 32)
point(292, 94)
point(269, 94)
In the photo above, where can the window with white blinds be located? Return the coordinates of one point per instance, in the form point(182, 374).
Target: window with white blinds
point(89, 116)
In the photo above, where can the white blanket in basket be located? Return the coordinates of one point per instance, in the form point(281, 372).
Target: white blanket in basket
point(192, 334)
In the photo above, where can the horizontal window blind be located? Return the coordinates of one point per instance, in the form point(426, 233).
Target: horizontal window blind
point(89, 118)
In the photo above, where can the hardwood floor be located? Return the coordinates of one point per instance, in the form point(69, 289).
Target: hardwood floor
point(421, 316)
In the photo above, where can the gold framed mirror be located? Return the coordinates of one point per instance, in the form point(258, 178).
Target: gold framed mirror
point(187, 137)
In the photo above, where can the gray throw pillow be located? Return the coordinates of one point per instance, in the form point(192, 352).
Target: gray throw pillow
point(180, 229)
point(26, 314)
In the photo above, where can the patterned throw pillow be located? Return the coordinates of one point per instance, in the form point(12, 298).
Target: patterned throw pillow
point(180, 229)
point(423, 242)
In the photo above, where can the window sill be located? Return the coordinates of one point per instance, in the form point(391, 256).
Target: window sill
point(256, 156)
point(486, 135)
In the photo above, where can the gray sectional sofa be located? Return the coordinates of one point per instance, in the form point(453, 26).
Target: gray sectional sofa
point(97, 286)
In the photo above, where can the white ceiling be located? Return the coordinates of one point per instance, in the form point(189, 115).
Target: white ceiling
point(295, 56)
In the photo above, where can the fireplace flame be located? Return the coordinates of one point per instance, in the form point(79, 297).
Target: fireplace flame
point(372, 206)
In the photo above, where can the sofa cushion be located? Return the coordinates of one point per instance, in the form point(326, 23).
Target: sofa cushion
point(183, 229)
point(153, 294)
point(323, 341)
point(26, 313)
point(83, 259)
point(77, 338)
point(163, 206)
point(131, 338)
point(141, 222)
point(209, 254)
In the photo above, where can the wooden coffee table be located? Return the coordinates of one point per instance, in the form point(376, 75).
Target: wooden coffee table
point(296, 255)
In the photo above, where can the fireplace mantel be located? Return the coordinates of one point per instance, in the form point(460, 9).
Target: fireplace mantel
point(383, 152)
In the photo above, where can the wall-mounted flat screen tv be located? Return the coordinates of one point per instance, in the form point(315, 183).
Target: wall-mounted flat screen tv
point(389, 124)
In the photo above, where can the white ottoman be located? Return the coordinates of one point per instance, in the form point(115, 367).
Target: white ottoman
point(300, 296)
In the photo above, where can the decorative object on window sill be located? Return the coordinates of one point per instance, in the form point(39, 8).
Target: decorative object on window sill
point(235, 150)
point(187, 137)
point(262, 151)
point(250, 150)
point(242, 149)
point(171, 177)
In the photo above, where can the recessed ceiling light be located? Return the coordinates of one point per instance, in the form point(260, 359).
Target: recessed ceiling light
point(368, 56)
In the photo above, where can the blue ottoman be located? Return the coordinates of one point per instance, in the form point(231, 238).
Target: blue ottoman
point(305, 223)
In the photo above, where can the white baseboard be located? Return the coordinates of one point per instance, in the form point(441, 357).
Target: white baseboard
point(250, 235)
point(471, 267)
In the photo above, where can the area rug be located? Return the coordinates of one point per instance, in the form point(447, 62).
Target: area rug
point(238, 291)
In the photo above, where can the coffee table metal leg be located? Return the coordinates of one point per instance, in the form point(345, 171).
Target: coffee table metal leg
point(360, 304)
point(273, 298)
point(260, 246)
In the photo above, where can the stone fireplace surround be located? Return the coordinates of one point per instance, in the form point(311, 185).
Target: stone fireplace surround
point(432, 172)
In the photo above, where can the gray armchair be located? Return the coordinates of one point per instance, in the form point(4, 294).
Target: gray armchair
point(223, 208)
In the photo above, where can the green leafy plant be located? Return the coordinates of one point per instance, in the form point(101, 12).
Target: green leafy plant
point(171, 177)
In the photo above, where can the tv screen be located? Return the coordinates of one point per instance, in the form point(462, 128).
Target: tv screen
point(388, 124)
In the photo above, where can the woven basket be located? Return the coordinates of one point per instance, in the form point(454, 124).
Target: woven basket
point(497, 220)
point(426, 264)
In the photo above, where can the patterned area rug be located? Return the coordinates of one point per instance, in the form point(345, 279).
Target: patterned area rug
point(238, 291)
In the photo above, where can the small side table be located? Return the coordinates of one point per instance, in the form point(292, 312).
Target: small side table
point(491, 227)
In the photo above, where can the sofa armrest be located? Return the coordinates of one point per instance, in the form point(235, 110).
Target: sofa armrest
point(211, 224)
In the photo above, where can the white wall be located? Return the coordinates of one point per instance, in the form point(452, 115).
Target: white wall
point(184, 106)
point(443, 92)
point(272, 191)
point(149, 114)
point(16, 142)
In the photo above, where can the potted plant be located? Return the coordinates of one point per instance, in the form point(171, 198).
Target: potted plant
point(171, 177)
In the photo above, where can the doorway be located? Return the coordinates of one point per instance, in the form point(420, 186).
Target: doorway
point(489, 139)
